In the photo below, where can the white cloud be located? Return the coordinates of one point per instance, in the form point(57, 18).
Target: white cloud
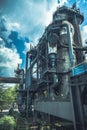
point(30, 17)
point(84, 34)
point(2, 44)
point(62, 2)
point(8, 61)
point(13, 26)
point(28, 46)
point(85, 1)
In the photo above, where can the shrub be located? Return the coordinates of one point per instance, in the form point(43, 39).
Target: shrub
point(7, 123)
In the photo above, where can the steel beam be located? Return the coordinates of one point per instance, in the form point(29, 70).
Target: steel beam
point(9, 80)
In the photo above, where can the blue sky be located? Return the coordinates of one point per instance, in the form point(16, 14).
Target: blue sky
point(23, 22)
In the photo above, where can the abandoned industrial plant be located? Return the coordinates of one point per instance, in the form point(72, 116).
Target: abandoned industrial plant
point(53, 84)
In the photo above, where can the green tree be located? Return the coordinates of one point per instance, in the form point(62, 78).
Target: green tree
point(2, 101)
point(8, 97)
point(7, 123)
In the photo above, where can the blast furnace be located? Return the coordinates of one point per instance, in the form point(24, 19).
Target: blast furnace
point(54, 86)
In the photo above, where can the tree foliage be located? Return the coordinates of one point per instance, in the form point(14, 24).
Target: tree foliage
point(7, 97)
point(2, 102)
point(7, 123)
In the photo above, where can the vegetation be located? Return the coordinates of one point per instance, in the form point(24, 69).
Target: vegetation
point(8, 97)
point(7, 123)
point(13, 120)
point(2, 103)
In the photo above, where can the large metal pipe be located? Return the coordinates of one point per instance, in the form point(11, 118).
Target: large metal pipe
point(70, 40)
